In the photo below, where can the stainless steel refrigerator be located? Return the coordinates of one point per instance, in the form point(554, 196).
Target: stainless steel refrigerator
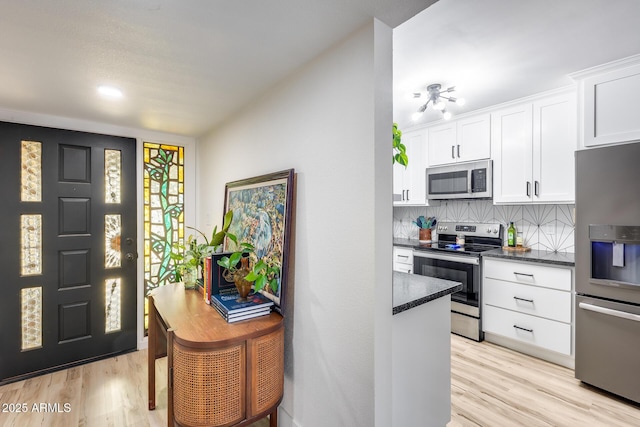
point(607, 238)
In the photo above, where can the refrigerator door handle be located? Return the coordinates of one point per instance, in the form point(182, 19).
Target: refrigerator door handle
point(610, 312)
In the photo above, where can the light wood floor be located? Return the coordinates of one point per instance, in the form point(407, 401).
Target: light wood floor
point(491, 386)
point(494, 386)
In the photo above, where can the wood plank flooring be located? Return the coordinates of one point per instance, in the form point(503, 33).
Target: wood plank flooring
point(495, 386)
point(491, 386)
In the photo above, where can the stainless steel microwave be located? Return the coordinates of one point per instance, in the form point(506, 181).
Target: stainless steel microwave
point(469, 180)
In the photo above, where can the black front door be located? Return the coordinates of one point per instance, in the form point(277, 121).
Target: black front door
point(68, 250)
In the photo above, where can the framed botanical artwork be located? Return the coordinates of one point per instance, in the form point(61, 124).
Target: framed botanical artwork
point(262, 215)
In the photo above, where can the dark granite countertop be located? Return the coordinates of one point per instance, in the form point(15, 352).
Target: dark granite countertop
point(541, 257)
point(408, 243)
point(412, 290)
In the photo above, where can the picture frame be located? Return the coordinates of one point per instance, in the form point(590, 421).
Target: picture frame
point(263, 216)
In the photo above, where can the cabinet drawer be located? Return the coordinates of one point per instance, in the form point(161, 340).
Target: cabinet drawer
point(528, 274)
point(548, 303)
point(548, 334)
point(403, 268)
point(402, 255)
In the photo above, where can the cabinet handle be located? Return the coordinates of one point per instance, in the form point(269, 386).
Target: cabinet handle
point(409, 271)
point(407, 195)
point(528, 189)
point(403, 256)
point(523, 329)
point(523, 299)
point(453, 156)
point(403, 199)
point(537, 189)
point(458, 151)
point(523, 274)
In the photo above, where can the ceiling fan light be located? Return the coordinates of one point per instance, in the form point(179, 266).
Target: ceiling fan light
point(446, 114)
point(461, 101)
point(416, 116)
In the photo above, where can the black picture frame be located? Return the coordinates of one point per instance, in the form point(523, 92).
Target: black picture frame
point(263, 216)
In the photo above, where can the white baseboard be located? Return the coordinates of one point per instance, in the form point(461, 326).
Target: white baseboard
point(540, 353)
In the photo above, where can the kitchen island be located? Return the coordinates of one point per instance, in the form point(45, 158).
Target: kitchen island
point(421, 350)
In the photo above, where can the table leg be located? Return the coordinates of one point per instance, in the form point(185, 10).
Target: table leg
point(151, 353)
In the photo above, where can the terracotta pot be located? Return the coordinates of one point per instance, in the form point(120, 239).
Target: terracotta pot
point(425, 234)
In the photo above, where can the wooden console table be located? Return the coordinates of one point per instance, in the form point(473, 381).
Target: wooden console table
point(219, 374)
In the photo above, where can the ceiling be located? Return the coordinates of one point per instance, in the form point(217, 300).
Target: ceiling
point(499, 50)
point(183, 66)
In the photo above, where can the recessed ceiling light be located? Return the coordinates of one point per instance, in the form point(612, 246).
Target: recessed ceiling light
point(110, 92)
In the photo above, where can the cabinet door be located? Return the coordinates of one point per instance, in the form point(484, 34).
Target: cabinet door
point(409, 184)
point(473, 138)
point(512, 139)
point(554, 145)
point(610, 107)
point(442, 144)
point(400, 175)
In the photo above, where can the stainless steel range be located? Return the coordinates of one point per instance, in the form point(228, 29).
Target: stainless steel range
point(456, 256)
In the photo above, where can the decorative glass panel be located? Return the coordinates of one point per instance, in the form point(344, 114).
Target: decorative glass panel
point(163, 212)
point(31, 254)
point(31, 315)
point(31, 190)
point(112, 174)
point(112, 231)
point(112, 305)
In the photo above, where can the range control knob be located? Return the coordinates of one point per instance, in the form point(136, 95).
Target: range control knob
point(495, 231)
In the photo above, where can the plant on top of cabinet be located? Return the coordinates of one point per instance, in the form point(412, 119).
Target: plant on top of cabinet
point(399, 149)
point(409, 181)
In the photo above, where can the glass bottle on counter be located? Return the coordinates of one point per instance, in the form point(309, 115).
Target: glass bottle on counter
point(511, 235)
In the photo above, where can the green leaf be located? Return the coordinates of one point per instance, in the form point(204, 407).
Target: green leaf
point(228, 217)
point(251, 277)
point(235, 258)
point(273, 283)
point(260, 281)
point(224, 262)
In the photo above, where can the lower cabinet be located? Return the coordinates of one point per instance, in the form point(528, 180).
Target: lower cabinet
point(529, 307)
point(402, 259)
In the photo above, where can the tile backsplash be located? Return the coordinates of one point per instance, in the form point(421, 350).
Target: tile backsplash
point(544, 227)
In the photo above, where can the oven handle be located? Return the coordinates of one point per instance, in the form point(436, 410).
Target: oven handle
point(610, 312)
point(444, 257)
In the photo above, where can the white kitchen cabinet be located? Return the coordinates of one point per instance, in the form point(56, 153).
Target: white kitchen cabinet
point(533, 147)
point(402, 259)
point(609, 102)
point(409, 184)
point(531, 304)
point(461, 140)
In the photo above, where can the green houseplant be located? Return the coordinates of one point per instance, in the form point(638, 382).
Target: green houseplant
point(189, 258)
point(399, 149)
point(265, 272)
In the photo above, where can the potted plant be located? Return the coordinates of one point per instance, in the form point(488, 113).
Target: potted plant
point(237, 268)
point(189, 258)
point(265, 271)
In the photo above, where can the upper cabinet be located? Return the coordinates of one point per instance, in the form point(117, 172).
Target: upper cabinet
point(609, 98)
point(461, 140)
point(533, 146)
point(409, 183)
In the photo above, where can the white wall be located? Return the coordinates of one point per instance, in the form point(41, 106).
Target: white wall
point(331, 121)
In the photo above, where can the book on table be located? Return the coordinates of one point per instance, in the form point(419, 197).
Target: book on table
point(230, 303)
point(243, 315)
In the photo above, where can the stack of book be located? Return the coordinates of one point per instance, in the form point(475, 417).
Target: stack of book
point(232, 309)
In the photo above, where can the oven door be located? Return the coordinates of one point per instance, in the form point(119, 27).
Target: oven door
point(459, 268)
